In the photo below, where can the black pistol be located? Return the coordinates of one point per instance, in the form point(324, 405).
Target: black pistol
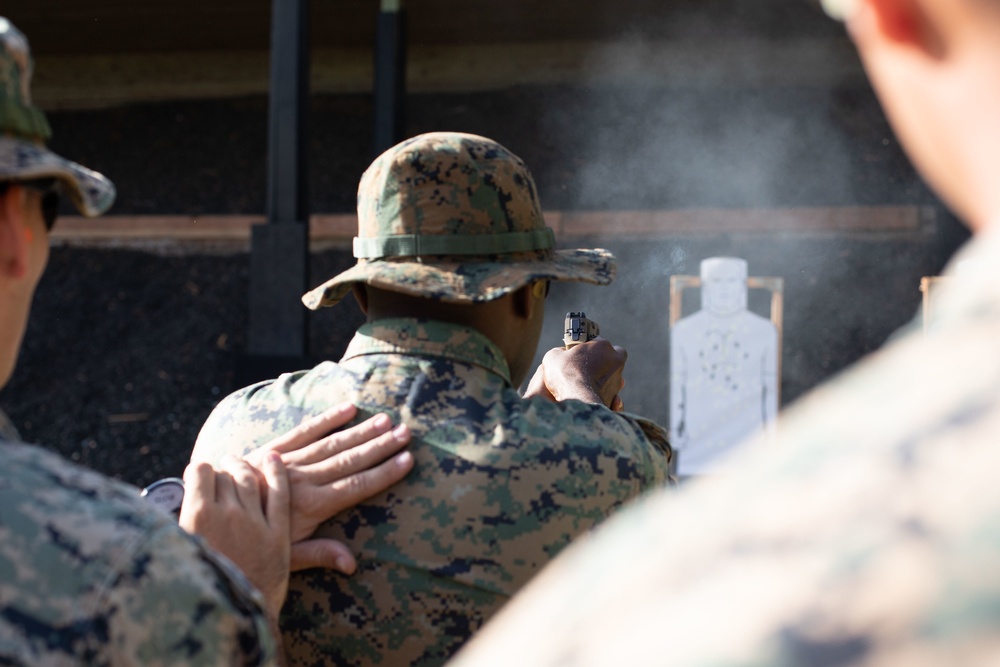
point(579, 329)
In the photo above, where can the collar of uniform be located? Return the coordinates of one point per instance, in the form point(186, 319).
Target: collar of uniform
point(7, 431)
point(972, 287)
point(429, 338)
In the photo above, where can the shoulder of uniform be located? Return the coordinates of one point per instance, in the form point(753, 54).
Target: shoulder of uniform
point(197, 607)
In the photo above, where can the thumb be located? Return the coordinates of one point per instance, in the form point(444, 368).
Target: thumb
point(325, 553)
point(536, 386)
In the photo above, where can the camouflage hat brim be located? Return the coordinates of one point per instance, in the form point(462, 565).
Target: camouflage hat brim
point(91, 192)
point(467, 281)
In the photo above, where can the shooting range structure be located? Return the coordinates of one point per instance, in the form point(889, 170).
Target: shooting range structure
point(279, 248)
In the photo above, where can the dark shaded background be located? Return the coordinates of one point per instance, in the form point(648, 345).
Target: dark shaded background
point(127, 351)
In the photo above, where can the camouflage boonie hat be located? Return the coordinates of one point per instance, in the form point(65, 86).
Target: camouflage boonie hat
point(456, 218)
point(24, 129)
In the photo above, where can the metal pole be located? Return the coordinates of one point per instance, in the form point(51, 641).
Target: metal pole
point(279, 249)
point(390, 74)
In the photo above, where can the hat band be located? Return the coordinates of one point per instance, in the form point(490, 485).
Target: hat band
point(23, 121)
point(414, 245)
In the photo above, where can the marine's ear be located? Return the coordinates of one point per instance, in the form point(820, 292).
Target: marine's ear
point(901, 22)
point(13, 234)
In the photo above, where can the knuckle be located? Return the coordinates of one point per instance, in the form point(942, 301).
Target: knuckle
point(356, 485)
point(296, 477)
point(197, 471)
point(241, 472)
point(294, 434)
point(331, 445)
point(374, 426)
point(199, 468)
point(553, 354)
point(353, 459)
point(308, 504)
point(300, 431)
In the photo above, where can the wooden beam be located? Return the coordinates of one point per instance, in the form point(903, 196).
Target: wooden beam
point(85, 81)
point(337, 230)
point(817, 220)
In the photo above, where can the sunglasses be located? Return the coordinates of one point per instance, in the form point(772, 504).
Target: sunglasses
point(49, 189)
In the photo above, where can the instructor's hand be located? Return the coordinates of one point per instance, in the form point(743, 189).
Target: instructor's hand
point(331, 472)
point(226, 509)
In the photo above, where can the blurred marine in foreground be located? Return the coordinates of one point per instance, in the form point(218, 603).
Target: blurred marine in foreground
point(454, 261)
point(871, 536)
point(90, 574)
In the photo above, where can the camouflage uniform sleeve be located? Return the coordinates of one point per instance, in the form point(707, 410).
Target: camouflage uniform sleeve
point(231, 427)
point(89, 574)
point(657, 449)
point(640, 441)
point(631, 453)
point(176, 602)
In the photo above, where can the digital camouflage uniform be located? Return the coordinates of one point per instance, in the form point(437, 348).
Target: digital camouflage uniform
point(501, 484)
point(89, 573)
point(870, 536)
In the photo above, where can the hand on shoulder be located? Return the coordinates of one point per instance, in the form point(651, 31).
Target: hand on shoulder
point(260, 512)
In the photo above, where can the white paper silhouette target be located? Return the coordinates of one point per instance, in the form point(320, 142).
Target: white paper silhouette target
point(723, 371)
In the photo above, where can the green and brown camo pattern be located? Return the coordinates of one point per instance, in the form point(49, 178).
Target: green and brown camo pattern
point(500, 486)
point(92, 575)
point(24, 129)
point(450, 183)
